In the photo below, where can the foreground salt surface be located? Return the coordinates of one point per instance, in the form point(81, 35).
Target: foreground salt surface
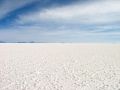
point(59, 67)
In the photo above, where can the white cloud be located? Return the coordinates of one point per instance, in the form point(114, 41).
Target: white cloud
point(99, 12)
point(96, 12)
point(61, 34)
point(10, 5)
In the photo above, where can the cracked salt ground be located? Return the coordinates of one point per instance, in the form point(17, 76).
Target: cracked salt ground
point(59, 67)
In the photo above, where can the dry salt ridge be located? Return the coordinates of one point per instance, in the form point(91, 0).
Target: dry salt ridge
point(59, 66)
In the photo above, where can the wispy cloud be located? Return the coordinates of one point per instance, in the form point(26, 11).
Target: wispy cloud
point(107, 11)
point(8, 6)
point(93, 21)
point(60, 34)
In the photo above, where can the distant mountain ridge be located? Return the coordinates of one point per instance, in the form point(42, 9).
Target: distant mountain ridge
point(2, 42)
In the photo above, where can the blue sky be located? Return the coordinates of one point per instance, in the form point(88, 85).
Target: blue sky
point(60, 20)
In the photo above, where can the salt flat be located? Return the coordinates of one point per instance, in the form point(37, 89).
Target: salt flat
point(59, 66)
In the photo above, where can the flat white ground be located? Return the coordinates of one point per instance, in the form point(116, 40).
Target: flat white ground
point(59, 66)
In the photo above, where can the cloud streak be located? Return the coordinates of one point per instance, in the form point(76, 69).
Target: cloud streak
point(60, 34)
point(97, 12)
point(8, 6)
point(93, 21)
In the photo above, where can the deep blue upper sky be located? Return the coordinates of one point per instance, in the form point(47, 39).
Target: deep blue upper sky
point(60, 20)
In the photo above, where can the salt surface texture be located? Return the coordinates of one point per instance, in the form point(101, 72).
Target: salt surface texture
point(59, 67)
